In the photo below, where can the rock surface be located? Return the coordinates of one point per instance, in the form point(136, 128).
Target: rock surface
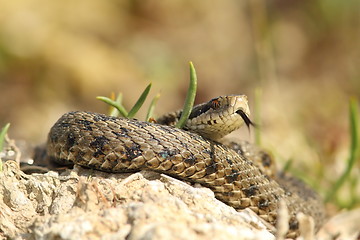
point(87, 204)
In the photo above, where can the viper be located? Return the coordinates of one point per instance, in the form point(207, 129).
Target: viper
point(240, 174)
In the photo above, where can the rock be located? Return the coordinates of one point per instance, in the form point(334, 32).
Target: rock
point(87, 204)
point(344, 225)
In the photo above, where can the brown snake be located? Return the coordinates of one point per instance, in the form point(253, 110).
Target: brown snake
point(237, 173)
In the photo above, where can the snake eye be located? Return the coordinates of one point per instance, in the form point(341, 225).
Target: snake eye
point(203, 108)
point(215, 103)
point(246, 119)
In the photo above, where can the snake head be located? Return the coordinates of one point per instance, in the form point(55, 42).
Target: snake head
point(220, 116)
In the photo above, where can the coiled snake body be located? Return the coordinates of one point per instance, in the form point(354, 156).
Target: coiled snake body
point(237, 173)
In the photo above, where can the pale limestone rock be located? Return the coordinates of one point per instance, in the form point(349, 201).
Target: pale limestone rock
point(87, 204)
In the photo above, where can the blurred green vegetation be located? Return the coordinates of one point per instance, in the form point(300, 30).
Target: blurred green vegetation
point(2, 141)
point(353, 157)
point(304, 56)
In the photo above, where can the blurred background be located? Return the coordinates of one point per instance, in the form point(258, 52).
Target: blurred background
point(299, 61)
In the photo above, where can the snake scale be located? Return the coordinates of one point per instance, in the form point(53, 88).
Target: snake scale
point(239, 174)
